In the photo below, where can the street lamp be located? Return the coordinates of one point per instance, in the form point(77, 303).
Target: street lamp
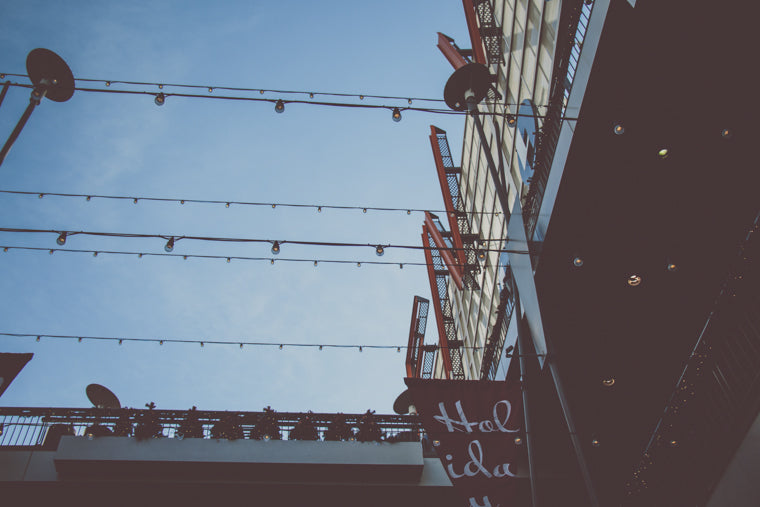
point(51, 78)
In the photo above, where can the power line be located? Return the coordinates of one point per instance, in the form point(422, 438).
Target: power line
point(317, 207)
point(172, 238)
point(239, 342)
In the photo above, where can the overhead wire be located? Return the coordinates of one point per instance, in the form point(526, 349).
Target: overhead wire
point(229, 203)
point(239, 342)
point(177, 237)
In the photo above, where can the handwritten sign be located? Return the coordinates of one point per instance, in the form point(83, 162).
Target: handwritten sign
point(473, 425)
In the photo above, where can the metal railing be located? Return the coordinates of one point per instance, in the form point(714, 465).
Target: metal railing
point(574, 21)
point(26, 427)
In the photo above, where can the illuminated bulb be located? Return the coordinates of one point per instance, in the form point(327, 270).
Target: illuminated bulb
point(169, 245)
point(274, 206)
point(311, 95)
point(280, 346)
point(228, 259)
point(184, 257)
point(481, 255)
point(182, 201)
point(210, 89)
point(94, 254)
point(726, 134)
point(261, 92)
point(379, 250)
point(319, 209)
point(139, 256)
point(358, 264)
point(320, 347)
point(160, 99)
point(315, 263)
point(396, 115)
point(267, 438)
point(672, 266)
point(201, 344)
point(134, 200)
point(108, 83)
point(673, 443)
point(352, 438)
point(241, 345)
point(271, 261)
point(79, 340)
point(360, 348)
point(518, 441)
point(227, 205)
point(51, 251)
point(361, 97)
point(88, 198)
point(618, 129)
point(634, 280)
point(160, 87)
point(121, 341)
point(279, 106)
point(410, 101)
point(595, 442)
point(663, 153)
point(276, 247)
point(511, 120)
point(577, 262)
point(41, 196)
point(38, 338)
point(608, 382)
point(364, 210)
point(436, 443)
point(408, 212)
point(160, 342)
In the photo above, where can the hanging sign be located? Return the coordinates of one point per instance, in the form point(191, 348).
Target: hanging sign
point(473, 425)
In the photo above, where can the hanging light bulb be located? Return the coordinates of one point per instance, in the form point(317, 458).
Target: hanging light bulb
point(319, 209)
point(410, 101)
point(279, 106)
point(577, 261)
point(169, 245)
point(61, 239)
point(280, 346)
point(160, 87)
point(88, 198)
point(311, 95)
point(160, 99)
point(379, 250)
point(408, 212)
point(401, 266)
point(481, 254)
point(618, 128)
point(672, 266)
point(360, 348)
point(320, 347)
point(315, 264)
point(276, 247)
point(210, 89)
point(227, 205)
point(108, 83)
point(726, 133)
point(364, 210)
point(396, 115)
point(121, 341)
point(511, 120)
point(361, 97)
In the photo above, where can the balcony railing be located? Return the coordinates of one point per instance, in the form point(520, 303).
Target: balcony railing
point(574, 21)
point(24, 427)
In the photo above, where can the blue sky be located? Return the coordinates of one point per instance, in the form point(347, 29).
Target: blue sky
point(230, 151)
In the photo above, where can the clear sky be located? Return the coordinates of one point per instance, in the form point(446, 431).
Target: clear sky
point(230, 151)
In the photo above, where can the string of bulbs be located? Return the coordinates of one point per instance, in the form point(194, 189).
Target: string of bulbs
point(276, 244)
point(279, 104)
point(227, 204)
point(239, 343)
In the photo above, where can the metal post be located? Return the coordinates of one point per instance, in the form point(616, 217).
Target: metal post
point(5, 90)
point(34, 101)
point(522, 347)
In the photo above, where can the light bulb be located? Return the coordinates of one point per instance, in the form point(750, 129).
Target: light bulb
point(410, 101)
point(726, 133)
point(596, 443)
point(279, 106)
point(663, 153)
point(361, 97)
point(227, 205)
point(672, 266)
point(210, 89)
point(160, 99)
point(634, 280)
point(319, 209)
point(160, 87)
point(364, 210)
point(379, 250)
point(577, 262)
point(518, 441)
point(311, 95)
point(276, 247)
point(618, 129)
point(511, 120)
point(169, 245)
point(396, 114)
point(481, 255)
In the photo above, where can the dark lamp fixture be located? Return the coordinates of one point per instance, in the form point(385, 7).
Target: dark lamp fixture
point(396, 115)
point(608, 382)
point(634, 280)
point(279, 106)
point(276, 247)
point(379, 250)
point(61, 239)
point(663, 153)
point(160, 99)
point(169, 245)
point(618, 129)
point(577, 261)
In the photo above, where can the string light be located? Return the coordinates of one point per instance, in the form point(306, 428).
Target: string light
point(227, 204)
point(618, 128)
point(228, 259)
point(61, 239)
point(379, 249)
point(160, 99)
point(279, 107)
point(396, 115)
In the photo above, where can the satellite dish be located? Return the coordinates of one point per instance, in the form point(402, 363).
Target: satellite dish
point(102, 397)
point(47, 69)
point(403, 404)
point(474, 77)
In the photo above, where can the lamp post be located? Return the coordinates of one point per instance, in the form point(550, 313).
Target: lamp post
point(51, 78)
point(464, 90)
